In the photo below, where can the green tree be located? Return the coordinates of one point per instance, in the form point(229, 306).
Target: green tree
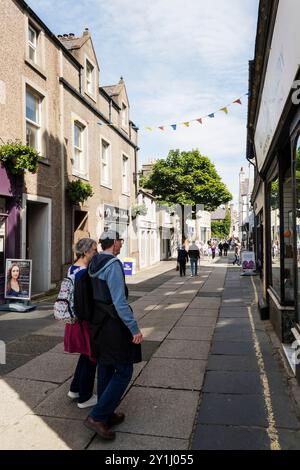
point(221, 228)
point(187, 178)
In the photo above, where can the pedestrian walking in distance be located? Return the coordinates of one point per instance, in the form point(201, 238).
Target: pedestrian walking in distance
point(194, 255)
point(213, 251)
point(77, 335)
point(220, 246)
point(182, 259)
point(115, 335)
point(225, 248)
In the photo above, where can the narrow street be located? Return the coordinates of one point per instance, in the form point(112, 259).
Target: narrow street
point(211, 378)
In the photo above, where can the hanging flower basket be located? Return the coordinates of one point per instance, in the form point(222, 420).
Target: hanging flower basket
point(17, 158)
point(138, 209)
point(79, 191)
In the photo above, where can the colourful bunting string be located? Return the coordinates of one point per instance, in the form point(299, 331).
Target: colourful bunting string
point(224, 110)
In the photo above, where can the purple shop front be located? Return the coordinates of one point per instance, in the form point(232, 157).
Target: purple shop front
point(10, 206)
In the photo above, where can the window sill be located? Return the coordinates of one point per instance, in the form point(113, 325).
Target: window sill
point(276, 300)
point(106, 185)
point(45, 161)
point(36, 67)
point(80, 175)
point(92, 97)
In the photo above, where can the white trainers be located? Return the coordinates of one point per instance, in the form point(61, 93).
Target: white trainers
point(86, 404)
point(72, 395)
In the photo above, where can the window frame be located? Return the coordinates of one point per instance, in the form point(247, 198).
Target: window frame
point(84, 136)
point(91, 94)
point(103, 182)
point(39, 125)
point(125, 157)
point(31, 45)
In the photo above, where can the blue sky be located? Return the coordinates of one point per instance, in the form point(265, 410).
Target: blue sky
point(180, 60)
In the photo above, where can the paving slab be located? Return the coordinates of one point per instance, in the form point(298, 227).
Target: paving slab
point(184, 374)
point(201, 312)
point(192, 333)
point(36, 433)
point(232, 363)
point(243, 410)
point(182, 349)
point(232, 348)
point(33, 344)
point(57, 329)
point(214, 437)
point(205, 302)
point(149, 348)
point(48, 368)
point(19, 397)
point(14, 361)
point(155, 334)
point(196, 320)
point(240, 335)
point(233, 382)
point(166, 413)
point(129, 441)
point(58, 405)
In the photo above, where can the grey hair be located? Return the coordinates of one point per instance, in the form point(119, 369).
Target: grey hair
point(82, 246)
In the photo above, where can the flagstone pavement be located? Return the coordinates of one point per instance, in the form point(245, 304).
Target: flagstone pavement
point(211, 378)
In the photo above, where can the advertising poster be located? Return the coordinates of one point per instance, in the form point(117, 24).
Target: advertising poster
point(248, 262)
point(18, 279)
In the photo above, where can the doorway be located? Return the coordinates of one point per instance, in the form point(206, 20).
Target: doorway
point(37, 241)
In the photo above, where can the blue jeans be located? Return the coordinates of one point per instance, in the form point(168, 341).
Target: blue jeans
point(112, 383)
point(194, 266)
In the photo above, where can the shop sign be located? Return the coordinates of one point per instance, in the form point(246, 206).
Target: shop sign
point(115, 214)
point(281, 71)
point(129, 266)
point(248, 262)
point(18, 279)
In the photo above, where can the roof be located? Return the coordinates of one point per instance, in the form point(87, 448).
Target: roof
point(219, 214)
point(71, 42)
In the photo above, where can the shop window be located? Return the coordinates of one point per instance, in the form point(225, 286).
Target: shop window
point(288, 270)
point(274, 204)
point(297, 184)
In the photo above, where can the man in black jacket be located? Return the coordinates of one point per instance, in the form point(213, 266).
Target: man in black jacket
point(194, 255)
point(182, 259)
point(115, 335)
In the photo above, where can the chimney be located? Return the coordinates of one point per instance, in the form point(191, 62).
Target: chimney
point(86, 32)
point(71, 35)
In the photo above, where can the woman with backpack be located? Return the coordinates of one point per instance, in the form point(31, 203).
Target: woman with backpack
point(77, 334)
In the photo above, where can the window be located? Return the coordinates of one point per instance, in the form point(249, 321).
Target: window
point(125, 186)
point(32, 43)
point(33, 119)
point(288, 240)
point(124, 115)
point(79, 156)
point(90, 78)
point(274, 204)
point(296, 172)
point(105, 163)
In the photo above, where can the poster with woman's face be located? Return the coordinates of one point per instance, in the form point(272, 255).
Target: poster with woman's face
point(18, 279)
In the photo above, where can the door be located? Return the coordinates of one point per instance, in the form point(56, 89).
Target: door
point(38, 244)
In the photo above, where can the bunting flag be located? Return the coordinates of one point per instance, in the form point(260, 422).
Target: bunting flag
point(200, 120)
point(225, 110)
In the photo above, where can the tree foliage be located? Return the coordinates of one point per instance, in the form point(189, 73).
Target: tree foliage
point(221, 228)
point(187, 178)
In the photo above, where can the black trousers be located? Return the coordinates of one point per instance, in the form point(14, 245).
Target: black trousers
point(182, 268)
point(84, 378)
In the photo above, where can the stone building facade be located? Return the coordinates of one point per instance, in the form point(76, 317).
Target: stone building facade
point(50, 98)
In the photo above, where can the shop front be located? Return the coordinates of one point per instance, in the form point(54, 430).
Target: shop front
point(274, 148)
point(10, 203)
